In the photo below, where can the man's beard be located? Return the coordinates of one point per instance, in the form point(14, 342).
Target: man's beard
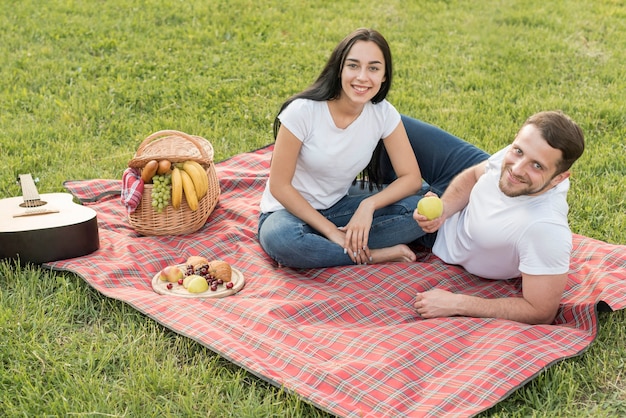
point(524, 191)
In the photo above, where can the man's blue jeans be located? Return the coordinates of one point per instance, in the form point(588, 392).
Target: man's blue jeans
point(441, 156)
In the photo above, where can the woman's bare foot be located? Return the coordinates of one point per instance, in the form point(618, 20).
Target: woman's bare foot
point(396, 253)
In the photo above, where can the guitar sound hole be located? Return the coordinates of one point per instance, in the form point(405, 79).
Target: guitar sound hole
point(32, 204)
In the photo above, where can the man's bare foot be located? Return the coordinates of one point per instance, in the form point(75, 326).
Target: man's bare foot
point(396, 253)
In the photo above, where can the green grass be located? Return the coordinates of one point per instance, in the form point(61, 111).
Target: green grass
point(83, 82)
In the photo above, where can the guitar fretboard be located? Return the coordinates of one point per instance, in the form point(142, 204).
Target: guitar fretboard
point(29, 192)
point(33, 204)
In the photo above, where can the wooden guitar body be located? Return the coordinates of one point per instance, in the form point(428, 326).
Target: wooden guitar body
point(45, 229)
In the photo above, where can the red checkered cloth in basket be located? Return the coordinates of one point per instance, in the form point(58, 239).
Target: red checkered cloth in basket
point(346, 339)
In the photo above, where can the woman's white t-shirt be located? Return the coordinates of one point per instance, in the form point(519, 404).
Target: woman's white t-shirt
point(330, 157)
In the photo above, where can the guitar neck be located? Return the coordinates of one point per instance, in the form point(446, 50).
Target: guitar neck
point(32, 202)
point(29, 191)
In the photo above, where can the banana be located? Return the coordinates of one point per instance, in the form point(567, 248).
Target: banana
point(177, 187)
point(203, 175)
point(198, 176)
point(189, 190)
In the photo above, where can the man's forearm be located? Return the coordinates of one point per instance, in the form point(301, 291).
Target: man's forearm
point(514, 309)
point(438, 303)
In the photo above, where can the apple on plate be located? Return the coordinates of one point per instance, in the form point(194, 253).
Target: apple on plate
point(171, 274)
point(197, 284)
point(189, 278)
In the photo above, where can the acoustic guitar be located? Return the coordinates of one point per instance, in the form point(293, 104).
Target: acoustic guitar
point(38, 229)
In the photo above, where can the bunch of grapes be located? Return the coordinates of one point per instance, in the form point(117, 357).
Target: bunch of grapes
point(161, 191)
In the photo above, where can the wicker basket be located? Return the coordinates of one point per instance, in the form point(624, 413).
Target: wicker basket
point(176, 147)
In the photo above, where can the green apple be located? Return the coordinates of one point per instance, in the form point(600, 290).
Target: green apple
point(188, 280)
point(197, 285)
point(430, 206)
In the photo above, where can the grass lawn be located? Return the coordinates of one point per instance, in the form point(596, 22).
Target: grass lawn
point(82, 83)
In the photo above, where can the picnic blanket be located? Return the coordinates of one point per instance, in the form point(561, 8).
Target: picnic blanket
point(346, 338)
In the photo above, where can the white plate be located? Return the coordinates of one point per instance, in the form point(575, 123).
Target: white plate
point(160, 286)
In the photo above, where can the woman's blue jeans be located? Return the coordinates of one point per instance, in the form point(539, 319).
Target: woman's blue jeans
point(441, 156)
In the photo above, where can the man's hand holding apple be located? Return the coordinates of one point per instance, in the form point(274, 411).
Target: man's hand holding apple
point(429, 213)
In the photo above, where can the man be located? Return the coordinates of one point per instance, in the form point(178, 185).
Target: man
point(506, 217)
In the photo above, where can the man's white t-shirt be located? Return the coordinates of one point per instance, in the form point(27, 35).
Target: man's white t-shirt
point(499, 237)
point(330, 157)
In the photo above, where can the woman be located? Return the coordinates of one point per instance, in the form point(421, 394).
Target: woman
point(325, 136)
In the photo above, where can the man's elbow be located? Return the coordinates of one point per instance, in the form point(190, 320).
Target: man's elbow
point(543, 317)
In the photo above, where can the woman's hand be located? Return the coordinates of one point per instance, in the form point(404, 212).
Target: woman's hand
point(357, 234)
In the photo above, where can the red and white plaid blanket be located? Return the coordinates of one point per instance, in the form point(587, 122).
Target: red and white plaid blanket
point(346, 339)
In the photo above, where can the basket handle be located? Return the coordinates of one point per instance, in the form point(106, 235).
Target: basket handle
point(170, 132)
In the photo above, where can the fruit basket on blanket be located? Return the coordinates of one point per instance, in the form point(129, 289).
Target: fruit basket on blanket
point(177, 148)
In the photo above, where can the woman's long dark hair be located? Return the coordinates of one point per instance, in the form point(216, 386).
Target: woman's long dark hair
point(328, 87)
